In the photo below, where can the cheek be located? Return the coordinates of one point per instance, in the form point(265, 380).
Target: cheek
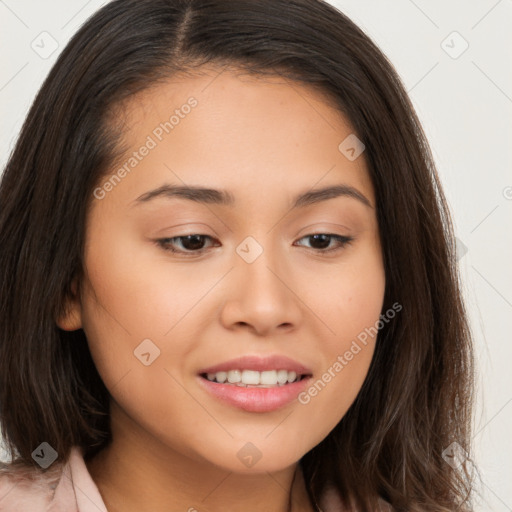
point(352, 309)
point(133, 294)
point(346, 360)
point(128, 300)
point(351, 295)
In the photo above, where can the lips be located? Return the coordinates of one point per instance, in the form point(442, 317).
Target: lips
point(270, 394)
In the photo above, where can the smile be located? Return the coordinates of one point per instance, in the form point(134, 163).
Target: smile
point(256, 383)
point(253, 378)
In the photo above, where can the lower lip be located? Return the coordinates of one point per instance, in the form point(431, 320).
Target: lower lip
point(255, 399)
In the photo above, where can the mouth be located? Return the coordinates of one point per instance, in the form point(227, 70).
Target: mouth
point(256, 384)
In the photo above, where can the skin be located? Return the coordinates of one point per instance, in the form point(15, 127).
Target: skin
point(265, 140)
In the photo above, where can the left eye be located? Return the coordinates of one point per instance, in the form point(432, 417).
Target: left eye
point(324, 240)
point(194, 244)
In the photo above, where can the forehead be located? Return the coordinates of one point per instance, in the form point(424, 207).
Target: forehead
point(243, 131)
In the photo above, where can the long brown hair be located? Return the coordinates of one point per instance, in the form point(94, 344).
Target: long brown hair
point(416, 400)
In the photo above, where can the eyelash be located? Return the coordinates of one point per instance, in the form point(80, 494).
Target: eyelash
point(165, 243)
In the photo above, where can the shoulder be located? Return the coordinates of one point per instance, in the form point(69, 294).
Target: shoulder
point(63, 486)
point(27, 489)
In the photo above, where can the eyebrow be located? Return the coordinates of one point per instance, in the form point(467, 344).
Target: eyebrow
point(226, 198)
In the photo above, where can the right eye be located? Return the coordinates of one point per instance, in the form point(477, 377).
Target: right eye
point(190, 244)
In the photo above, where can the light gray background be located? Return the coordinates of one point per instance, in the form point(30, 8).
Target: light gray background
point(465, 106)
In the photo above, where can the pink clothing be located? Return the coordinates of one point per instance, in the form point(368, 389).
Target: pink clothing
point(70, 488)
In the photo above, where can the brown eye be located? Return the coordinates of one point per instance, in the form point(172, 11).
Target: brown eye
point(189, 243)
point(321, 242)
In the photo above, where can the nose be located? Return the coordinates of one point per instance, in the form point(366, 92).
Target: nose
point(261, 297)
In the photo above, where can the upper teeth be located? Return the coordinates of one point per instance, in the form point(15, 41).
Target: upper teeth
point(254, 378)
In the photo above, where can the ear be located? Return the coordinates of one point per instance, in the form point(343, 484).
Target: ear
point(71, 319)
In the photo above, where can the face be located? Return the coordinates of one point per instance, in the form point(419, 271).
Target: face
point(181, 286)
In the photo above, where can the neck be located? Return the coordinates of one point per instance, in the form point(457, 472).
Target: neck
point(136, 472)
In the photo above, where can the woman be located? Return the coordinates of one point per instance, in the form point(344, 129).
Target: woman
point(228, 273)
